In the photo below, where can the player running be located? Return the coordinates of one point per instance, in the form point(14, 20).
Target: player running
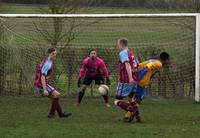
point(92, 68)
point(128, 76)
point(147, 70)
point(44, 70)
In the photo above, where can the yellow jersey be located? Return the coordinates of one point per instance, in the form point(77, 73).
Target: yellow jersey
point(147, 70)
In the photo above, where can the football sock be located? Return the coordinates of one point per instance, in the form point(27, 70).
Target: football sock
point(137, 113)
point(126, 106)
point(53, 106)
point(80, 96)
point(105, 97)
point(134, 104)
point(58, 108)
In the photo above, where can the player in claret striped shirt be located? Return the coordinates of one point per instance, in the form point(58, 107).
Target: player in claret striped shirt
point(42, 86)
point(128, 78)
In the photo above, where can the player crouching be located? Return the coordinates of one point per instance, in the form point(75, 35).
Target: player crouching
point(92, 68)
point(42, 86)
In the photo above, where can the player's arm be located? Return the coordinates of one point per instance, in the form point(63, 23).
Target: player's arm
point(43, 80)
point(44, 71)
point(105, 72)
point(129, 71)
point(82, 72)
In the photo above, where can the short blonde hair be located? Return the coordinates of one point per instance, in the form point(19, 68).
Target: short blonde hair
point(123, 41)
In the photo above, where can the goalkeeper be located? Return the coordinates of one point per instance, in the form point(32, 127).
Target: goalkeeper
point(91, 70)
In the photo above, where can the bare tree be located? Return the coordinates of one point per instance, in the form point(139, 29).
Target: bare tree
point(52, 30)
point(196, 5)
point(60, 32)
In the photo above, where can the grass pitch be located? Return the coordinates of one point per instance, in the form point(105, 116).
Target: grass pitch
point(26, 117)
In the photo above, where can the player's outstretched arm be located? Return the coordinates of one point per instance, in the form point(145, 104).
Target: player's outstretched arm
point(105, 72)
point(82, 72)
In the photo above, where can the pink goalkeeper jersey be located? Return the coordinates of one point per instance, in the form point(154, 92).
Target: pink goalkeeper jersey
point(44, 68)
point(93, 68)
point(127, 56)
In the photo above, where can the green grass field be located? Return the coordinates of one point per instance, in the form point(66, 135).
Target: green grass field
point(26, 117)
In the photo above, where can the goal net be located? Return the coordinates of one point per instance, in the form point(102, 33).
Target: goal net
point(25, 38)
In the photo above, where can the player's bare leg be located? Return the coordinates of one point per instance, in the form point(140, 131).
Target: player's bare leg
point(105, 97)
point(80, 95)
point(108, 104)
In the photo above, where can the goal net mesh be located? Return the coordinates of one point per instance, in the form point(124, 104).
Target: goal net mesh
point(24, 41)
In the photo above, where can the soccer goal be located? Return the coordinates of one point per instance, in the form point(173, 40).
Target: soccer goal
point(25, 37)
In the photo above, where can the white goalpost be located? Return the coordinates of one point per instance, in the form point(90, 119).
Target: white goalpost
point(197, 66)
point(173, 15)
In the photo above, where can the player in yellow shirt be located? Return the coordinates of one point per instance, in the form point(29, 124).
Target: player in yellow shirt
point(146, 71)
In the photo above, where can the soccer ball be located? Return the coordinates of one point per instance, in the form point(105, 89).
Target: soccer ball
point(103, 89)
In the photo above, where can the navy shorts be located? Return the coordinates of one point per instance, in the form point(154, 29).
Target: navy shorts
point(139, 92)
point(39, 90)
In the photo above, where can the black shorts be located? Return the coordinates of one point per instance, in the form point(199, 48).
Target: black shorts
point(88, 81)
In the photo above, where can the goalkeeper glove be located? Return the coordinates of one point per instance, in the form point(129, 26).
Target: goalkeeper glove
point(108, 81)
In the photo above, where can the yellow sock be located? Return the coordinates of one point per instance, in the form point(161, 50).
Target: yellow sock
point(128, 114)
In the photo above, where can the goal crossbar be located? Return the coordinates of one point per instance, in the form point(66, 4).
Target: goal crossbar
point(99, 15)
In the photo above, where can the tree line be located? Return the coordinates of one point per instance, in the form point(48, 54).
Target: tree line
point(194, 5)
